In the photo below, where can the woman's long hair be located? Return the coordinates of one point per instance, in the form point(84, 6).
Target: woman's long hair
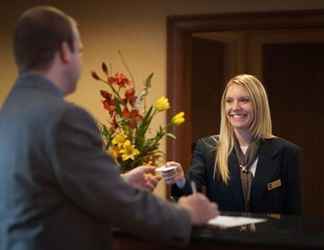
point(260, 127)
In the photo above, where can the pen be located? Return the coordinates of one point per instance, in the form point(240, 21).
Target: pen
point(193, 187)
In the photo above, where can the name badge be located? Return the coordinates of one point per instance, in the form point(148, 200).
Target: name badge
point(274, 216)
point(274, 184)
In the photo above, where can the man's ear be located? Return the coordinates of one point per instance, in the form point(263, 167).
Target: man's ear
point(65, 53)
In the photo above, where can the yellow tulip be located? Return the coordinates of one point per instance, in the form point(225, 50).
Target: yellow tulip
point(162, 104)
point(178, 119)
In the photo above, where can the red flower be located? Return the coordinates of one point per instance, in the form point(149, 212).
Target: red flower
point(130, 96)
point(120, 79)
point(133, 117)
point(111, 80)
point(113, 122)
point(104, 68)
point(136, 115)
point(126, 112)
point(95, 75)
point(105, 94)
point(109, 105)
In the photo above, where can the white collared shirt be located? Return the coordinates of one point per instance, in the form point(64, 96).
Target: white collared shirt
point(254, 164)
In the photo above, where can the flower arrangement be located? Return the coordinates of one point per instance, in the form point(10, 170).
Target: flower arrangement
point(127, 136)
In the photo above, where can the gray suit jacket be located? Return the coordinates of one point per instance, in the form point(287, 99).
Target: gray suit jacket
point(58, 189)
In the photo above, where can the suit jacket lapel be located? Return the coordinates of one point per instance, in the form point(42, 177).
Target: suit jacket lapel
point(235, 181)
point(264, 171)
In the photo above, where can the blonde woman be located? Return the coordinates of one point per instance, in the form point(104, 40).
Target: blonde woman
point(245, 168)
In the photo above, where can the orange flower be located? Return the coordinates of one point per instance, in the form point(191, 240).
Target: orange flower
point(109, 105)
point(133, 117)
point(95, 75)
point(113, 122)
point(130, 96)
point(120, 79)
point(105, 94)
point(104, 68)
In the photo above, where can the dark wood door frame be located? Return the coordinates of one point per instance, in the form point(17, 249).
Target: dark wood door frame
point(179, 34)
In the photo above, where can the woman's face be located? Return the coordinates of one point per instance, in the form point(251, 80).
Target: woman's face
point(238, 108)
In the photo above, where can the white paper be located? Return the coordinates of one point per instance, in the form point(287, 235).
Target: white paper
point(165, 168)
point(233, 221)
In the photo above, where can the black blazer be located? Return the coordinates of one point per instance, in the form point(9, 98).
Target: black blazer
point(278, 160)
point(58, 189)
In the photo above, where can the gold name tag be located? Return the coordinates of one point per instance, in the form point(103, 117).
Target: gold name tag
point(274, 216)
point(274, 184)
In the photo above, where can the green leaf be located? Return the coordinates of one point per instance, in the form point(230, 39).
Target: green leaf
point(144, 125)
point(147, 85)
point(106, 134)
point(171, 135)
point(117, 106)
point(148, 80)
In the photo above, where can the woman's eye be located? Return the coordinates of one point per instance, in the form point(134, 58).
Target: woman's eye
point(245, 100)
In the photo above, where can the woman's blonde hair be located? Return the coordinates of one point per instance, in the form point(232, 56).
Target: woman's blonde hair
point(260, 127)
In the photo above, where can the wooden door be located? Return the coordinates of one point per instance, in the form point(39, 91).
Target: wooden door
point(291, 65)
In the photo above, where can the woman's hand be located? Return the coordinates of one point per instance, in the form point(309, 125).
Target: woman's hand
point(173, 175)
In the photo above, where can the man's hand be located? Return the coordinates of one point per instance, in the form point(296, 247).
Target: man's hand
point(201, 210)
point(142, 177)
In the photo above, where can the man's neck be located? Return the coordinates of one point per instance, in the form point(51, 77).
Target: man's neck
point(51, 76)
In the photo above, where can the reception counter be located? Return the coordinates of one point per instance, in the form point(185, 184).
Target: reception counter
point(277, 232)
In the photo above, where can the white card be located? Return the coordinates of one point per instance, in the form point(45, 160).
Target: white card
point(233, 221)
point(165, 168)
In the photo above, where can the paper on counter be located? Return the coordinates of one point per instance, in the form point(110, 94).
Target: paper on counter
point(233, 221)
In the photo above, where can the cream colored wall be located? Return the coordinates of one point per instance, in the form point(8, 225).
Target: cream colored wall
point(137, 28)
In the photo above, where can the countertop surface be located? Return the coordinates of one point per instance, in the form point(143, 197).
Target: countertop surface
point(277, 230)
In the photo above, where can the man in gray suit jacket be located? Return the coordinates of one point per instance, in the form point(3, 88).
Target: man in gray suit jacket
point(58, 188)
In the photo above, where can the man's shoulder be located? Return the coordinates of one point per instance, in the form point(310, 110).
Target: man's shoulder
point(77, 117)
point(75, 111)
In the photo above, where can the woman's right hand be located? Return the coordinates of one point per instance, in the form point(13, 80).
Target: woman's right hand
point(174, 175)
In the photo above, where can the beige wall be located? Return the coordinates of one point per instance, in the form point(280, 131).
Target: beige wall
point(137, 28)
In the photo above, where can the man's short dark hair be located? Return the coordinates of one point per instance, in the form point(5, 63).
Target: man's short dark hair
point(39, 33)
